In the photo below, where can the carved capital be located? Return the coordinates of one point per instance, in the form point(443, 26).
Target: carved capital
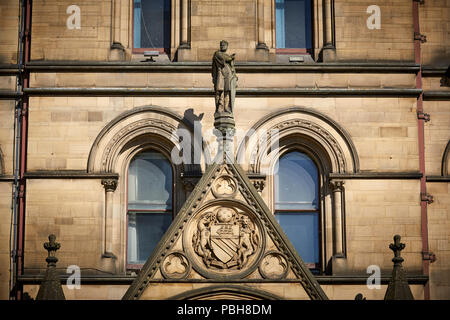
point(259, 184)
point(110, 185)
point(337, 185)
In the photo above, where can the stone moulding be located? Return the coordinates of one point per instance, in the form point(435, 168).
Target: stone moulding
point(347, 161)
point(108, 144)
point(224, 291)
point(341, 67)
point(243, 92)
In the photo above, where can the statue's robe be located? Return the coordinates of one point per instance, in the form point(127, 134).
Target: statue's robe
point(222, 72)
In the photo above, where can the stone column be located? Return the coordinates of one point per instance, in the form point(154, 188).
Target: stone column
point(262, 51)
point(110, 186)
point(329, 51)
point(337, 188)
point(260, 17)
point(184, 43)
point(117, 49)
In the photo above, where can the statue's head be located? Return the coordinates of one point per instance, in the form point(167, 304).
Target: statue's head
point(223, 45)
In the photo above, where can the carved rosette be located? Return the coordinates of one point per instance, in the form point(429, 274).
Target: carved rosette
point(274, 265)
point(224, 240)
point(175, 266)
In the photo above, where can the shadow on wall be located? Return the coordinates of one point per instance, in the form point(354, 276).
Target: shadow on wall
point(195, 121)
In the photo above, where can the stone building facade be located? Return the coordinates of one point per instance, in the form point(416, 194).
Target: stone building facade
point(363, 96)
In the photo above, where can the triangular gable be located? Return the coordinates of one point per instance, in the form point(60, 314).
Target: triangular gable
point(224, 232)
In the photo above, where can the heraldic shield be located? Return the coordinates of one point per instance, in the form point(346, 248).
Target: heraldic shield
point(225, 242)
point(225, 239)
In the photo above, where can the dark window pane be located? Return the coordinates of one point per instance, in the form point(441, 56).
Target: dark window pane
point(152, 23)
point(303, 231)
point(144, 232)
point(150, 182)
point(293, 23)
point(296, 183)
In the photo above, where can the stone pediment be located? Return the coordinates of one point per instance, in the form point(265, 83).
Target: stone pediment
point(223, 233)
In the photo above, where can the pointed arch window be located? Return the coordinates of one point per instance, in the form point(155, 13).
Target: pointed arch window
point(297, 204)
point(150, 204)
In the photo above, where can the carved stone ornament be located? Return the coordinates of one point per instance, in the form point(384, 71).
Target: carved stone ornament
point(274, 265)
point(110, 185)
point(175, 266)
point(225, 187)
point(226, 242)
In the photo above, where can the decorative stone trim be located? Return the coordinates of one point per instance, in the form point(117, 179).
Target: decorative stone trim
point(282, 262)
point(170, 261)
point(109, 184)
point(320, 134)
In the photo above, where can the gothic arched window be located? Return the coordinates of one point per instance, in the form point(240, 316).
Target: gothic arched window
point(150, 207)
point(297, 203)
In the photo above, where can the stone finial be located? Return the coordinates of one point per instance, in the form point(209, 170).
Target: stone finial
point(398, 288)
point(50, 288)
point(52, 246)
point(397, 247)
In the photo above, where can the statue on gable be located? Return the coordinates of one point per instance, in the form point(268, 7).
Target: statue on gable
point(224, 79)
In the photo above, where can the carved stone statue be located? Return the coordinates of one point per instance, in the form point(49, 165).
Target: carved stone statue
point(224, 79)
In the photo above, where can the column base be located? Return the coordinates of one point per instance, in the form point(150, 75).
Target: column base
point(262, 53)
point(339, 265)
point(329, 53)
point(109, 262)
point(184, 53)
point(117, 52)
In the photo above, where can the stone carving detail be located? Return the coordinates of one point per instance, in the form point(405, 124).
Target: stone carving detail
point(304, 124)
point(259, 184)
point(151, 126)
point(175, 266)
point(225, 239)
point(274, 266)
point(224, 187)
point(224, 79)
point(110, 185)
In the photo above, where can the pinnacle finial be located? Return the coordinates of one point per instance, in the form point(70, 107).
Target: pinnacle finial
point(397, 247)
point(52, 246)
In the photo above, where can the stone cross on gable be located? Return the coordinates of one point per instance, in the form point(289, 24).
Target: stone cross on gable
point(52, 246)
point(397, 247)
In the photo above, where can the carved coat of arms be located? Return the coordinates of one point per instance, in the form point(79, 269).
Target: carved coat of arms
point(225, 239)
